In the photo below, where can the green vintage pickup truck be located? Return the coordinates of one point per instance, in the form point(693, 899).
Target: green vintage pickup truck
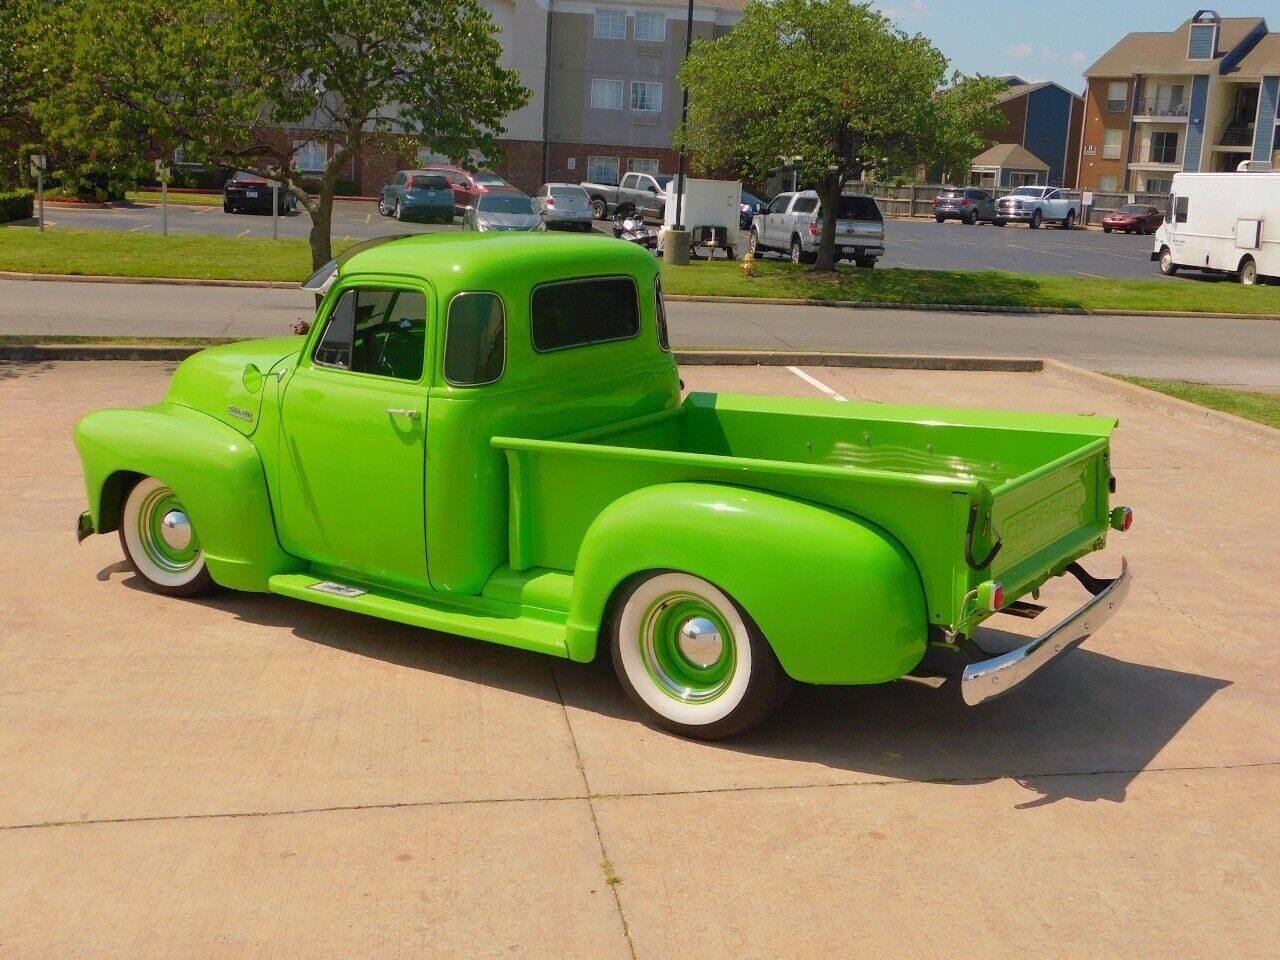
point(485, 435)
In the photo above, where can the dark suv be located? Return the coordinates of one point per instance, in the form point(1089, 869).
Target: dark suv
point(966, 204)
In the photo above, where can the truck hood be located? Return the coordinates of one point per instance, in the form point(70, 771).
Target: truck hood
point(227, 382)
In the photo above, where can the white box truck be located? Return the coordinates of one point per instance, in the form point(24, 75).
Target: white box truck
point(1223, 223)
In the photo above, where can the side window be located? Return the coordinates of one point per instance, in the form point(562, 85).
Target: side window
point(576, 313)
point(780, 202)
point(664, 338)
point(805, 205)
point(629, 182)
point(1180, 209)
point(376, 331)
point(475, 347)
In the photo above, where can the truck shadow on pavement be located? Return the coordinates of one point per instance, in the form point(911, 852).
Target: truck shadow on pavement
point(1081, 729)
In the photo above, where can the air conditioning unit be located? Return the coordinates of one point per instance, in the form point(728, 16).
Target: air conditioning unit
point(1254, 166)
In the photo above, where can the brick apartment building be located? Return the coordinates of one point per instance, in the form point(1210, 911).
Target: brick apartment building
point(1042, 118)
point(1202, 97)
point(605, 95)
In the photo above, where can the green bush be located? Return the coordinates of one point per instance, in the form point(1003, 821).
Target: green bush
point(345, 188)
point(16, 205)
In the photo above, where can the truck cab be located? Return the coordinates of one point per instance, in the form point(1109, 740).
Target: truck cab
point(486, 435)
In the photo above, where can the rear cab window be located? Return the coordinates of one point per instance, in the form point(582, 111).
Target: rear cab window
point(582, 312)
point(859, 208)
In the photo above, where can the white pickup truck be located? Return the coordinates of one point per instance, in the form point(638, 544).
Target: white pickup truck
point(792, 225)
point(1036, 205)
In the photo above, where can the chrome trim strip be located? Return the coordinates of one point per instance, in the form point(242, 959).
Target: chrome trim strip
point(989, 679)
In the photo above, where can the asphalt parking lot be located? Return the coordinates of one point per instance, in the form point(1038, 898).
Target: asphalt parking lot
point(921, 244)
point(250, 776)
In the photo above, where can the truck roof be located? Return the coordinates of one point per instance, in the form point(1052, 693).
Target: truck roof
point(472, 261)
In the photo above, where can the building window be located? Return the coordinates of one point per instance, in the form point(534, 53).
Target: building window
point(1154, 185)
point(602, 170)
point(310, 155)
point(428, 157)
point(646, 95)
point(1107, 184)
point(1111, 141)
point(611, 25)
point(1164, 147)
point(606, 94)
point(651, 26)
point(642, 165)
point(1117, 96)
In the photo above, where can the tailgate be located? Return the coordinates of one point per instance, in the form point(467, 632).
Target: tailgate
point(1047, 518)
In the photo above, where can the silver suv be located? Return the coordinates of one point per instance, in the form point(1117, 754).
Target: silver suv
point(793, 225)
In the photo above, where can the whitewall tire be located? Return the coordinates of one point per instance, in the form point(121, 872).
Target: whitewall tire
point(160, 541)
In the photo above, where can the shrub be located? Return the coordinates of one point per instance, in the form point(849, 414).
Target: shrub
point(345, 188)
point(16, 205)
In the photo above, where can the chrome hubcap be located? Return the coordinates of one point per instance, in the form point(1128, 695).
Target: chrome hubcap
point(175, 530)
point(700, 642)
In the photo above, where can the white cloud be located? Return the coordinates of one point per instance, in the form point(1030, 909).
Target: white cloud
point(1019, 51)
point(1077, 56)
point(910, 11)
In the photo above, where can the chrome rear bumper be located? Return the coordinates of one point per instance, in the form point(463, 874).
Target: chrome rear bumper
point(988, 679)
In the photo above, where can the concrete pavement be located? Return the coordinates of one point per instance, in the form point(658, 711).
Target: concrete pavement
point(1242, 353)
point(249, 776)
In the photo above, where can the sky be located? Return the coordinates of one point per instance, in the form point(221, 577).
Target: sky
point(1036, 39)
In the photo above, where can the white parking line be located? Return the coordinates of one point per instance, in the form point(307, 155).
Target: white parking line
point(145, 226)
point(244, 233)
point(204, 210)
point(1083, 274)
point(813, 381)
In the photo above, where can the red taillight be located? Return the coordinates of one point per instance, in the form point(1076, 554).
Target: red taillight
point(1121, 519)
point(408, 184)
point(966, 202)
point(551, 201)
point(813, 228)
point(997, 596)
point(937, 200)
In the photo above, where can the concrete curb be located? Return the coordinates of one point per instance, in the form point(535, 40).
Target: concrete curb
point(42, 352)
point(1183, 410)
point(173, 281)
point(883, 361)
point(698, 298)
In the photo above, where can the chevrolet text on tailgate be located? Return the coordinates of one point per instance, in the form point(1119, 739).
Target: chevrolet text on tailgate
point(485, 435)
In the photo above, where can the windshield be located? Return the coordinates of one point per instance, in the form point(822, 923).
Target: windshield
point(1028, 192)
point(489, 179)
point(751, 199)
point(245, 175)
point(432, 182)
point(504, 203)
point(858, 208)
point(569, 193)
point(1132, 208)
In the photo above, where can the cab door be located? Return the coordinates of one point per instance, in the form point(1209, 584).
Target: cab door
point(353, 437)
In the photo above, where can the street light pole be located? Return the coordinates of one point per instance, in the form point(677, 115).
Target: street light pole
point(684, 116)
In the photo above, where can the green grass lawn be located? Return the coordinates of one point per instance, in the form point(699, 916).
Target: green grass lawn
point(195, 199)
point(102, 252)
point(1260, 407)
point(984, 288)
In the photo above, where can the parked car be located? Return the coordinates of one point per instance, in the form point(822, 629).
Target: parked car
point(248, 192)
point(1223, 223)
point(751, 207)
point(526, 472)
point(1133, 218)
point(417, 195)
point(966, 204)
point(1036, 205)
point(643, 193)
point(509, 210)
point(564, 205)
point(467, 186)
point(792, 224)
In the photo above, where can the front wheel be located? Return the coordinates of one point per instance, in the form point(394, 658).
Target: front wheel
point(1036, 219)
point(160, 542)
point(1106, 229)
point(599, 209)
point(1167, 266)
point(691, 659)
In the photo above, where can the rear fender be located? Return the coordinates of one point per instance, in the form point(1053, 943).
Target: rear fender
point(838, 599)
point(215, 470)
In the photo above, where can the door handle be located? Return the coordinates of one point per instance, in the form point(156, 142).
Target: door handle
point(407, 412)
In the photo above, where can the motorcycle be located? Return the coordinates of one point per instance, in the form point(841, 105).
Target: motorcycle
point(630, 226)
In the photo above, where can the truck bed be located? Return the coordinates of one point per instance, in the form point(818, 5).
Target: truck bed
point(945, 483)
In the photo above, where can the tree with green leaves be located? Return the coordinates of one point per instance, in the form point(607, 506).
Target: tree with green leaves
point(214, 78)
point(834, 83)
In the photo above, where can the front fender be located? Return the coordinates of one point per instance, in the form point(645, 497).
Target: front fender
point(213, 468)
point(838, 599)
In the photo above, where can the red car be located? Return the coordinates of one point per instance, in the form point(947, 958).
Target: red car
point(1134, 218)
point(468, 186)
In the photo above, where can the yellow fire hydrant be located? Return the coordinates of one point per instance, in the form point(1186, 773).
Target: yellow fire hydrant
point(749, 264)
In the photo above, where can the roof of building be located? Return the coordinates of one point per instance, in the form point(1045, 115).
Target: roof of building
point(1014, 156)
point(1262, 60)
point(1022, 88)
point(1166, 51)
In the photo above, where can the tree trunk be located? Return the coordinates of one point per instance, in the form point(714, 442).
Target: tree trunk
point(321, 217)
point(829, 193)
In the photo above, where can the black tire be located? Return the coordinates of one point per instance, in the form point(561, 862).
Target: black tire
point(797, 253)
point(382, 207)
point(1036, 220)
point(178, 580)
point(755, 685)
point(398, 213)
point(599, 209)
point(867, 263)
point(971, 219)
point(998, 222)
point(1106, 229)
point(1069, 220)
point(1248, 272)
point(939, 219)
point(1167, 267)
point(227, 208)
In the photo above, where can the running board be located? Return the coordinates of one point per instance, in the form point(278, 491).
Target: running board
point(485, 620)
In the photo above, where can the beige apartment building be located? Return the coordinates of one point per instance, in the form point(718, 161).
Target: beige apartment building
point(1202, 97)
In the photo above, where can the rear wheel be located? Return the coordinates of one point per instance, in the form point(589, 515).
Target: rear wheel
point(599, 209)
point(938, 218)
point(227, 208)
point(1069, 221)
point(399, 211)
point(1106, 229)
point(865, 262)
point(797, 253)
point(1167, 266)
point(753, 243)
point(972, 219)
point(1248, 274)
point(160, 542)
point(691, 659)
point(998, 222)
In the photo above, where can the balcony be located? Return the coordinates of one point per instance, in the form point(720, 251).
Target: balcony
point(1159, 108)
point(1159, 157)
